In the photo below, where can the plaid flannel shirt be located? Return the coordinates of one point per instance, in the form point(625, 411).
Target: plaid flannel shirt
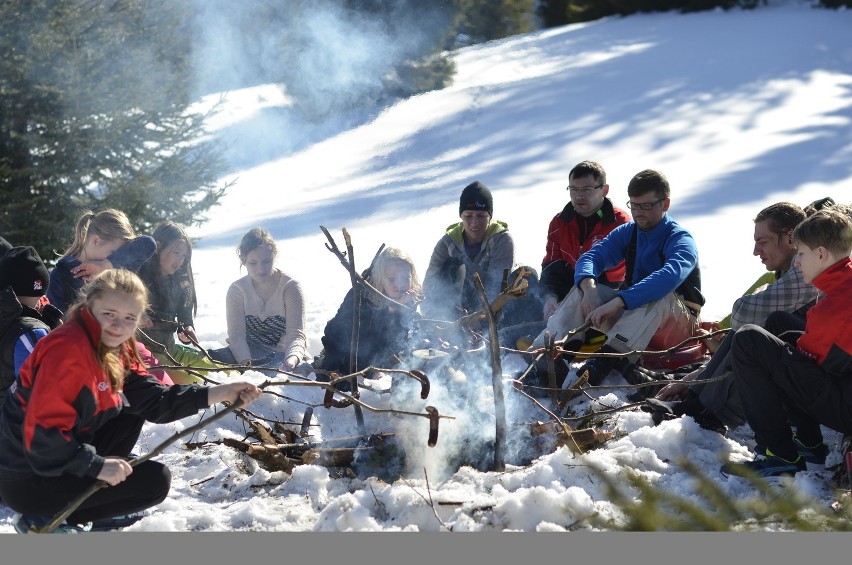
point(789, 293)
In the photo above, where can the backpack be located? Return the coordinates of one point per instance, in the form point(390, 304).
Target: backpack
point(8, 339)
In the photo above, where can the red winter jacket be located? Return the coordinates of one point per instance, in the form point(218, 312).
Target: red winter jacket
point(62, 396)
point(828, 335)
point(568, 237)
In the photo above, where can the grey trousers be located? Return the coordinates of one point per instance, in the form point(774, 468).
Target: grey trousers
point(633, 330)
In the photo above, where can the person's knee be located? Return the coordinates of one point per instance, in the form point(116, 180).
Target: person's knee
point(161, 482)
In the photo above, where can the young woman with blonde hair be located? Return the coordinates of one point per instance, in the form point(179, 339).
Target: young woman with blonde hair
point(74, 412)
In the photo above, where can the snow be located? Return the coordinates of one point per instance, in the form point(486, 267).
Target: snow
point(739, 109)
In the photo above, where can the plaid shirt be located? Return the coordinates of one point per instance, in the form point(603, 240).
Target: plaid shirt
point(789, 293)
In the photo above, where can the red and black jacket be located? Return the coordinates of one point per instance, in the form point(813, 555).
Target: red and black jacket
point(63, 395)
point(828, 337)
point(569, 236)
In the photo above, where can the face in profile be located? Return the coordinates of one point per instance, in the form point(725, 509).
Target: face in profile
point(775, 249)
point(808, 261)
point(98, 248)
point(118, 314)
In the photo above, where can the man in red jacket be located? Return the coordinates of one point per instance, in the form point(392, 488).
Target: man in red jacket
point(809, 383)
point(584, 221)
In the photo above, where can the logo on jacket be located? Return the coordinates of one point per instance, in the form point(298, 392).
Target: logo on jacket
point(102, 386)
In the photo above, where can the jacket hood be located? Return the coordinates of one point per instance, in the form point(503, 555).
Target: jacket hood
point(455, 231)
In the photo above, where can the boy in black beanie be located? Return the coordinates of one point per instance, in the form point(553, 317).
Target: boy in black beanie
point(24, 280)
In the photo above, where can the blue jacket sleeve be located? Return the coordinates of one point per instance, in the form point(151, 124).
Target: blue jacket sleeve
point(134, 253)
point(606, 254)
point(653, 280)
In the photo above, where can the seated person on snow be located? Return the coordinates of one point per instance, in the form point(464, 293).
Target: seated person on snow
point(172, 304)
point(24, 280)
point(265, 311)
point(476, 244)
point(716, 404)
point(384, 328)
point(808, 384)
point(586, 219)
point(659, 302)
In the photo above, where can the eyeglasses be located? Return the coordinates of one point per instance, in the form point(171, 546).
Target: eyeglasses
point(643, 205)
point(582, 190)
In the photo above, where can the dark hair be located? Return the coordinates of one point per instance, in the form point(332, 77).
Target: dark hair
point(818, 205)
point(181, 286)
point(647, 181)
point(781, 217)
point(588, 168)
point(827, 228)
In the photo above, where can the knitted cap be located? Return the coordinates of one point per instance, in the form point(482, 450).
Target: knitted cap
point(23, 270)
point(476, 196)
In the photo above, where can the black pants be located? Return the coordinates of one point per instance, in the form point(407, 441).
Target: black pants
point(722, 397)
point(780, 387)
point(147, 486)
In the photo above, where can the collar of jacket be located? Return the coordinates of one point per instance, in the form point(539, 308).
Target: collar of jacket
point(834, 276)
point(92, 327)
point(456, 230)
point(606, 213)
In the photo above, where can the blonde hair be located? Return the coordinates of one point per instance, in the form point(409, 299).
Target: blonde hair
point(256, 237)
point(114, 361)
point(386, 257)
point(108, 224)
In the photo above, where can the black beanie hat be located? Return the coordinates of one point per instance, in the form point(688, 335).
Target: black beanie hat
point(23, 270)
point(476, 196)
point(4, 246)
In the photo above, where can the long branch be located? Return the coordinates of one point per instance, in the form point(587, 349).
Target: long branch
point(99, 484)
point(496, 379)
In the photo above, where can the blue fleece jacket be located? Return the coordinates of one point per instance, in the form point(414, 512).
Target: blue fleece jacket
point(665, 256)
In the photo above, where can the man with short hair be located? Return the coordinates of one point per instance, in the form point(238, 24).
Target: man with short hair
point(807, 384)
point(716, 404)
point(587, 218)
point(661, 297)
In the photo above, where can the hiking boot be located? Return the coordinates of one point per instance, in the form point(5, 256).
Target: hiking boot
point(636, 375)
point(814, 456)
point(116, 522)
point(662, 410)
point(599, 367)
point(766, 466)
point(24, 524)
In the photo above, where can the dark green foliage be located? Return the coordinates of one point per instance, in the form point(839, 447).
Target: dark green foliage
point(484, 20)
point(647, 508)
point(93, 114)
point(588, 10)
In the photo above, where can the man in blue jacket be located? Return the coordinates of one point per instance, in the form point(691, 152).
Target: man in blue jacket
point(658, 304)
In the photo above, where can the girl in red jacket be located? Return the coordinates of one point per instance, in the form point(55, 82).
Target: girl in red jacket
point(61, 428)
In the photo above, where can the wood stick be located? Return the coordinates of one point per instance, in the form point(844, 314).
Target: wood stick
point(496, 379)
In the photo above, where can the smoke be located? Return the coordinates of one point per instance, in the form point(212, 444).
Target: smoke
point(328, 59)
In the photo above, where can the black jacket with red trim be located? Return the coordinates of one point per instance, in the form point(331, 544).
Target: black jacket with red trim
point(62, 396)
point(569, 236)
point(828, 337)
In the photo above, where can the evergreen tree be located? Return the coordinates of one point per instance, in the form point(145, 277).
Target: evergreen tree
point(94, 114)
point(484, 20)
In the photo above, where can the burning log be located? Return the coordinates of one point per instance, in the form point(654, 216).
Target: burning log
point(577, 441)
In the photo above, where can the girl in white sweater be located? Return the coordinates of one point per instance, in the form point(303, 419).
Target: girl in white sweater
point(265, 310)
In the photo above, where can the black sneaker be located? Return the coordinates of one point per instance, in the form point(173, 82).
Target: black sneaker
point(814, 456)
point(116, 522)
point(26, 524)
point(765, 466)
point(637, 375)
